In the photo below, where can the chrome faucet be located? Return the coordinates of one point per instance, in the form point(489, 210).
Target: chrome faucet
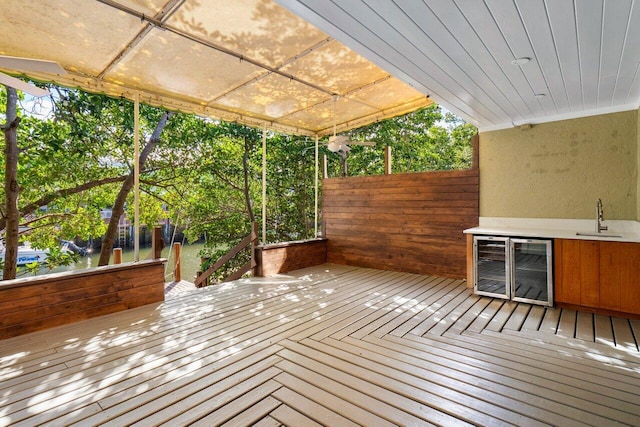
point(599, 218)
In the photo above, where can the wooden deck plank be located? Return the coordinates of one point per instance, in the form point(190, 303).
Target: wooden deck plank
point(310, 408)
point(584, 326)
point(412, 307)
point(359, 315)
point(251, 417)
point(268, 421)
point(329, 400)
point(518, 317)
point(580, 349)
point(585, 384)
point(482, 320)
point(534, 319)
point(358, 396)
point(175, 289)
point(567, 324)
point(623, 334)
point(513, 372)
point(114, 367)
point(290, 417)
point(426, 308)
point(550, 321)
point(617, 374)
point(204, 402)
point(502, 316)
point(398, 307)
point(160, 392)
point(445, 307)
point(390, 389)
point(523, 402)
point(252, 402)
point(469, 317)
point(77, 349)
point(454, 316)
point(604, 330)
point(366, 293)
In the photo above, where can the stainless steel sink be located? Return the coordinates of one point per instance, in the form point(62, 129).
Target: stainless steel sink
point(598, 235)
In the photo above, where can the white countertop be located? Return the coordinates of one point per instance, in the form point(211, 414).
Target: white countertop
point(550, 228)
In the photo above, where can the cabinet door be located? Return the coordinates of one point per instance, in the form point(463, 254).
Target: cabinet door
point(567, 271)
point(590, 273)
point(599, 274)
point(577, 272)
point(610, 275)
point(630, 278)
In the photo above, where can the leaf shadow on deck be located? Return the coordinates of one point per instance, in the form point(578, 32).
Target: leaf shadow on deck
point(330, 343)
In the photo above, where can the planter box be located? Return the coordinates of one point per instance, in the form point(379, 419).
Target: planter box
point(284, 257)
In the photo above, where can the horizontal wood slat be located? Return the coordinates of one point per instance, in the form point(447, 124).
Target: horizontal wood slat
point(406, 222)
point(33, 304)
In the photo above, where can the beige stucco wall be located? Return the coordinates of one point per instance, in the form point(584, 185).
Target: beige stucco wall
point(559, 169)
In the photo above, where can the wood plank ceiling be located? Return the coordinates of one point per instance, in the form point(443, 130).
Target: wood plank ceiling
point(584, 54)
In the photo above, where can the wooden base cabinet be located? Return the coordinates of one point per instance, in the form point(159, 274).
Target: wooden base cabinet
point(598, 274)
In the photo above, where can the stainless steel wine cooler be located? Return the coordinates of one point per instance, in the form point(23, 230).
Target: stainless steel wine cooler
point(514, 268)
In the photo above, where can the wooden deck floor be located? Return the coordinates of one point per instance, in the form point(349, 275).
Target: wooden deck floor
point(330, 345)
point(176, 289)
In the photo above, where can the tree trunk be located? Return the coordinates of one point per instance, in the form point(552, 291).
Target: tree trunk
point(247, 195)
point(11, 190)
point(127, 185)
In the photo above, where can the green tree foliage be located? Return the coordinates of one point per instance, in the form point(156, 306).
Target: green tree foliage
point(215, 205)
point(290, 188)
point(421, 141)
point(204, 175)
point(66, 151)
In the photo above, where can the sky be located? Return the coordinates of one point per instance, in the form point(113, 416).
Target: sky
point(36, 106)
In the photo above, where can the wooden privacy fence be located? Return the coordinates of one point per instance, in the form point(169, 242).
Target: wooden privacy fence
point(405, 222)
point(208, 277)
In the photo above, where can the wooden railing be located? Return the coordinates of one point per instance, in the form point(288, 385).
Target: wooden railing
point(33, 303)
point(209, 277)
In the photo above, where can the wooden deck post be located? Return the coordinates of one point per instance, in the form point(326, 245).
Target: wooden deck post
point(325, 175)
point(117, 256)
point(469, 260)
point(387, 160)
point(475, 156)
point(157, 244)
point(254, 243)
point(177, 273)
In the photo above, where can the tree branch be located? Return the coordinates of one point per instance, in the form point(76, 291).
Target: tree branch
point(44, 217)
point(45, 200)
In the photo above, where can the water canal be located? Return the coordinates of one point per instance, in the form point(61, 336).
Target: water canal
point(190, 261)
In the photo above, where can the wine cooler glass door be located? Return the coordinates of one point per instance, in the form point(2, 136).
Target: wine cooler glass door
point(532, 279)
point(492, 272)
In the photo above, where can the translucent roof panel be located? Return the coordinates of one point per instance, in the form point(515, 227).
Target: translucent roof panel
point(166, 61)
point(258, 29)
point(336, 67)
point(82, 39)
point(249, 61)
